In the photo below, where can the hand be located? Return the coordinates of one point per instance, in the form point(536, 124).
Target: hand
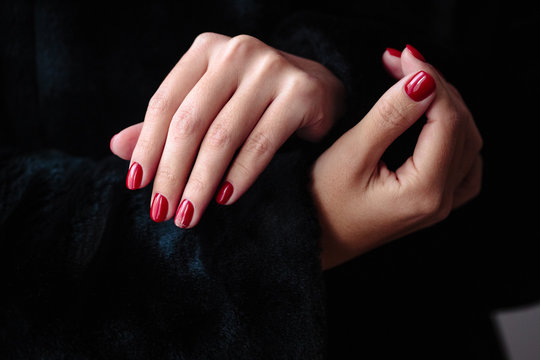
point(361, 203)
point(226, 107)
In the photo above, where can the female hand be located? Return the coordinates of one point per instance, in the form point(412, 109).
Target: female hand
point(363, 204)
point(226, 107)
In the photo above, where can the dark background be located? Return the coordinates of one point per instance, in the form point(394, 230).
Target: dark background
point(73, 74)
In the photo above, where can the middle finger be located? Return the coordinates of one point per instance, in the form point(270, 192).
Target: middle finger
point(187, 128)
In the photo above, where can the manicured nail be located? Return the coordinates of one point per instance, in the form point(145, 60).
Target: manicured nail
point(394, 52)
point(224, 193)
point(420, 86)
point(134, 176)
point(184, 213)
point(416, 53)
point(159, 209)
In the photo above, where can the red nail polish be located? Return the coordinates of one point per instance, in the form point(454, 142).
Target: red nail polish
point(420, 86)
point(184, 214)
point(416, 53)
point(394, 52)
point(224, 193)
point(160, 205)
point(134, 176)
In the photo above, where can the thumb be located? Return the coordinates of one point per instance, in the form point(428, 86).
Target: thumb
point(398, 108)
point(123, 143)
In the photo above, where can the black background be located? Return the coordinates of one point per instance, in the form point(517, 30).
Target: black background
point(73, 75)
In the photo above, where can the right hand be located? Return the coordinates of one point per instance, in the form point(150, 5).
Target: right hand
point(361, 203)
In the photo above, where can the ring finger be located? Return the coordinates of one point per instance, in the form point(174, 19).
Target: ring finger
point(226, 134)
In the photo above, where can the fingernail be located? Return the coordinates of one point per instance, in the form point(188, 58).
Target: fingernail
point(134, 176)
point(415, 53)
point(420, 86)
point(160, 205)
point(184, 213)
point(394, 52)
point(224, 193)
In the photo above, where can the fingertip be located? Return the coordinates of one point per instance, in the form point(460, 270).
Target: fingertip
point(111, 143)
point(116, 148)
point(420, 86)
point(414, 52)
point(134, 176)
point(412, 61)
point(225, 192)
point(393, 52)
point(392, 62)
point(184, 215)
point(160, 207)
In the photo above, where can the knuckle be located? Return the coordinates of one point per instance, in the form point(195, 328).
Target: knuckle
point(239, 46)
point(478, 141)
point(444, 211)
point(205, 39)
point(218, 136)
point(243, 40)
point(147, 144)
point(159, 103)
point(166, 174)
point(184, 123)
point(241, 170)
point(306, 84)
point(196, 185)
point(391, 114)
point(476, 187)
point(258, 144)
point(272, 62)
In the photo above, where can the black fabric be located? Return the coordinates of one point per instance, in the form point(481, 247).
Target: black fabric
point(86, 274)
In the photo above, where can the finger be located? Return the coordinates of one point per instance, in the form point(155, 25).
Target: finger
point(186, 131)
point(123, 143)
point(224, 137)
point(412, 61)
point(278, 123)
point(470, 186)
point(435, 151)
point(393, 113)
point(163, 105)
point(469, 145)
point(391, 59)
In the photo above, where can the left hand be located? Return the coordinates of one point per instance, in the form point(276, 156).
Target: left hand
point(219, 117)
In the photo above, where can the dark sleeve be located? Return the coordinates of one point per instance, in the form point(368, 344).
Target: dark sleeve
point(86, 273)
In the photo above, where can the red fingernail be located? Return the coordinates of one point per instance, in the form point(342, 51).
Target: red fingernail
point(134, 176)
point(394, 52)
point(224, 193)
point(160, 205)
point(184, 213)
point(415, 53)
point(420, 86)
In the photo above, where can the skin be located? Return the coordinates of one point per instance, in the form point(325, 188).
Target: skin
point(361, 203)
point(222, 113)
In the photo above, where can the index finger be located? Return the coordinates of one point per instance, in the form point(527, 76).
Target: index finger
point(161, 108)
